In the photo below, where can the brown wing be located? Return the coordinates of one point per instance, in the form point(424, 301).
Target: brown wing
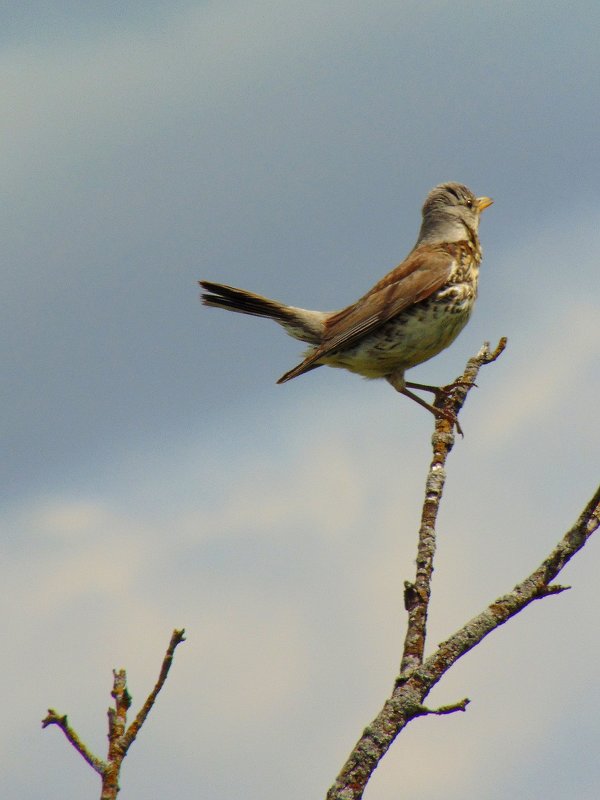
point(424, 271)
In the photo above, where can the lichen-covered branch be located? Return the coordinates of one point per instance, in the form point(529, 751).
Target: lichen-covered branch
point(53, 718)
point(120, 738)
point(417, 594)
point(418, 676)
point(137, 723)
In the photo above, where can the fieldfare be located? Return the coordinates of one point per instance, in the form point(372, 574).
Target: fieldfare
point(409, 316)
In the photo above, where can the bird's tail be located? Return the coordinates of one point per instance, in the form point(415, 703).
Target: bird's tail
point(298, 322)
point(220, 296)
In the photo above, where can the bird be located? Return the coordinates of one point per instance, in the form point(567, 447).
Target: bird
point(409, 316)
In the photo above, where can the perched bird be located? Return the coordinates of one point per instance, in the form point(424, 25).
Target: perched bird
point(409, 316)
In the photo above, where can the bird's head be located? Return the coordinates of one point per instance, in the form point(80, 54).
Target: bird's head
point(451, 213)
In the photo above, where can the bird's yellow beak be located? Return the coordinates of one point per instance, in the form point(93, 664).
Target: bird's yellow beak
point(483, 203)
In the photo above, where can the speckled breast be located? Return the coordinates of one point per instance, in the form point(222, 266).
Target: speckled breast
point(419, 332)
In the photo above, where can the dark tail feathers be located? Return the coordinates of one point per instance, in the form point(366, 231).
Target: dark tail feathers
point(220, 296)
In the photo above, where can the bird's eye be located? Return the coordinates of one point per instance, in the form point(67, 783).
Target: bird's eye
point(469, 202)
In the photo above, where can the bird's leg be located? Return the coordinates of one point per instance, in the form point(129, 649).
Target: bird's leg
point(439, 390)
point(400, 385)
point(442, 413)
point(424, 387)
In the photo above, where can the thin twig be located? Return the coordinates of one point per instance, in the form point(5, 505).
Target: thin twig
point(176, 638)
point(53, 718)
point(451, 709)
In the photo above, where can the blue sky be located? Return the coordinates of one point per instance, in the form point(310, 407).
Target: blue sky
point(156, 477)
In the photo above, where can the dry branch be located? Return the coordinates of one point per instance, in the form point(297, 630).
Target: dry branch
point(418, 676)
point(120, 737)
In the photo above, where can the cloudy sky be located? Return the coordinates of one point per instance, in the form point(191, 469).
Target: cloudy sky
point(154, 476)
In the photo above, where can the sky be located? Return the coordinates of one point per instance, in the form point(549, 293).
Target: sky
point(156, 477)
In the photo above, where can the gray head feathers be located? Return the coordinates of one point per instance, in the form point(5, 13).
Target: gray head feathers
point(451, 214)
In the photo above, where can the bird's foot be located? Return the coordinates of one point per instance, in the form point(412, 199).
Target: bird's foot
point(437, 410)
point(441, 391)
point(457, 384)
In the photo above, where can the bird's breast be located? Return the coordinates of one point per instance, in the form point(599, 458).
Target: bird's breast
point(414, 336)
point(422, 330)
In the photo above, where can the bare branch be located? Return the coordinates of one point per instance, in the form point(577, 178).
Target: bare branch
point(129, 737)
point(52, 718)
point(411, 689)
point(417, 594)
point(120, 737)
point(417, 676)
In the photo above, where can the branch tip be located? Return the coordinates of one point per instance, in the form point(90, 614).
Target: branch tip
point(489, 356)
point(178, 635)
point(52, 718)
point(554, 588)
point(460, 706)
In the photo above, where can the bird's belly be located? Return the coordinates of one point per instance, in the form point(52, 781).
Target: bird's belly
point(415, 336)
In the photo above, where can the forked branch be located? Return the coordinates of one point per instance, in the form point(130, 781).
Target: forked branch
point(120, 737)
point(417, 675)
